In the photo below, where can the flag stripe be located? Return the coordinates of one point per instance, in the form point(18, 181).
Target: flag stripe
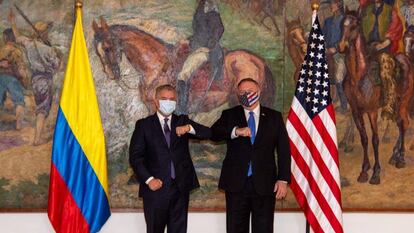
point(315, 139)
point(309, 202)
point(72, 164)
point(327, 139)
point(305, 159)
point(66, 210)
point(80, 105)
point(321, 194)
point(317, 148)
point(300, 196)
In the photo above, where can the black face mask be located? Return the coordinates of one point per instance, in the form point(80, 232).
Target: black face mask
point(248, 99)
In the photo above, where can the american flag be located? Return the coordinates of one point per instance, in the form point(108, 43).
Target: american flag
point(312, 132)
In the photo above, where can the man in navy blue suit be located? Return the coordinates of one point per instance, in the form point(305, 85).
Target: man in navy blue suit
point(160, 158)
point(249, 175)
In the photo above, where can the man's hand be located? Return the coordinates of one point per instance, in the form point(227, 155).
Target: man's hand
point(155, 184)
point(280, 189)
point(181, 130)
point(243, 132)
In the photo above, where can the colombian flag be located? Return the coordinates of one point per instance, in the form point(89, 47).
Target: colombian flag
point(78, 190)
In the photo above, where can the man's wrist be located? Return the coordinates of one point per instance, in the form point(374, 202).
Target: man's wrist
point(149, 180)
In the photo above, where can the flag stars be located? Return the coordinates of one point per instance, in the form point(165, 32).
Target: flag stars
point(319, 65)
point(309, 81)
point(321, 38)
point(319, 56)
point(312, 54)
point(320, 47)
point(315, 26)
point(312, 45)
point(310, 73)
point(302, 71)
point(302, 80)
point(308, 90)
point(325, 66)
point(316, 92)
point(310, 64)
point(308, 99)
point(314, 109)
point(324, 102)
point(318, 74)
point(325, 93)
point(317, 82)
point(300, 89)
point(325, 84)
point(315, 100)
point(314, 36)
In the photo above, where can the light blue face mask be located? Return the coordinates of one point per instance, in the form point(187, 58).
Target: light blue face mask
point(167, 106)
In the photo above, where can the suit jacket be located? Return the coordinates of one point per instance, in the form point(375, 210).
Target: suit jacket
point(271, 135)
point(149, 154)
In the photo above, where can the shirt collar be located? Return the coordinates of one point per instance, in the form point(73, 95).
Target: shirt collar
point(161, 117)
point(256, 111)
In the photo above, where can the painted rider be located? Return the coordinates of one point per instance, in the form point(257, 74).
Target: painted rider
point(205, 46)
point(14, 75)
point(44, 62)
point(383, 30)
point(336, 61)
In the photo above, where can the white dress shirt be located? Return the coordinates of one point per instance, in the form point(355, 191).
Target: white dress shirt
point(256, 114)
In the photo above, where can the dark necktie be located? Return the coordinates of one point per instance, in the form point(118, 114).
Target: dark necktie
point(167, 135)
point(252, 125)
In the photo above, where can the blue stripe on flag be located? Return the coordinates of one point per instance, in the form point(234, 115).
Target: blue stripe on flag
point(74, 167)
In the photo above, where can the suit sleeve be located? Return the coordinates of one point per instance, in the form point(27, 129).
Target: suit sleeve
point(283, 151)
point(201, 132)
point(137, 153)
point(222, 129)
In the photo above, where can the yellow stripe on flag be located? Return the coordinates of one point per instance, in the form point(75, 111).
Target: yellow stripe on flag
point(81, 109)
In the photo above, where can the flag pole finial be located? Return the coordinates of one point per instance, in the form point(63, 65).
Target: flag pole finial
point(315, 6)
point(78, 4)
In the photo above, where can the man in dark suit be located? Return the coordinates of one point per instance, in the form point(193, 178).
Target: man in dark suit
point(249, 176)
point(160, 158)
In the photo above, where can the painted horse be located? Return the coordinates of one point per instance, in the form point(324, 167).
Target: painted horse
point(365, 95)
point(160, 62)
point(296, 44)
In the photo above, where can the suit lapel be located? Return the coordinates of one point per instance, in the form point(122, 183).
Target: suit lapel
point(261, 127)
point(243, 122)
point(158, 129)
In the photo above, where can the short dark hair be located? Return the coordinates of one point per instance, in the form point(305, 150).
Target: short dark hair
point(167, 87)
point(247, 80)
point(9, 35)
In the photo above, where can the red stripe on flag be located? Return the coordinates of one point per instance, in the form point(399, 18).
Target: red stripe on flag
point(317, 158)
point(324, 205)
point(331, 112)
point(301, 198)
point(62, 207)
point(326, 137)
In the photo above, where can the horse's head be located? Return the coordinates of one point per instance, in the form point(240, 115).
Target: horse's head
point(107, 48)
point(296, 33)
point(409, 43)
point(350, 29)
